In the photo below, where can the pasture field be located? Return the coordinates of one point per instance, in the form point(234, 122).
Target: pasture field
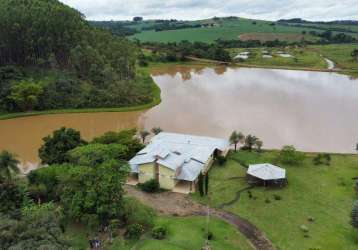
point(340, 54)
point(323, 193)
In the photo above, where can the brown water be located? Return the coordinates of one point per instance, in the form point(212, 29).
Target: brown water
point(23, 136)
point(313, 111)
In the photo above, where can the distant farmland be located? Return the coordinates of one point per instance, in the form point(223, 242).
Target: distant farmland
point(232, 29)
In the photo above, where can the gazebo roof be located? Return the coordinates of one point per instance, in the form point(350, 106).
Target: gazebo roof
point(266, 172)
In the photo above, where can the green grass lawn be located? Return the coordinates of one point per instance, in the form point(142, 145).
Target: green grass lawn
point(340, 54)
point(183, 234)
point(301, 58)
point(323, 192)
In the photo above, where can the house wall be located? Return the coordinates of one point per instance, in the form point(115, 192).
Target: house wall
point(146, 172)
point(208, 164)
point(166, 177)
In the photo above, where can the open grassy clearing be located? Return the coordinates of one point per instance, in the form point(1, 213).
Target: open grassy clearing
point(301, 58)
point(183, 234)
point(339, 53)
point(323, 192)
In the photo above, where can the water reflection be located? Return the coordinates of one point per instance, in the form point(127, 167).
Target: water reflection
point(311, 110)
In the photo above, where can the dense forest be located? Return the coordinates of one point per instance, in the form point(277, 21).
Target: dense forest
point(52, 58)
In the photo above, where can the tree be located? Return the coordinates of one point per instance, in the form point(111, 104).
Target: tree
point(157, 130)
point(124, 137)
point(236, 138)
point(250, 141)
point(25, 95)
point(92, 155)
point(95, 191)
point(354, 215)
point(144, 134)
point(11, 197)
point(289, 155)
point(55, 147)
point(259, 145)
point(355, 54)
point(40, 227)
point(8, 165)
point(137, 19)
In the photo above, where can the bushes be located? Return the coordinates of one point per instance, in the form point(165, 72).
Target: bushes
point(151, 186)
point(134, 231)
point(322, 159)
point(290, 156)
point(135, 212)
point(221, 160)
point(159, 232)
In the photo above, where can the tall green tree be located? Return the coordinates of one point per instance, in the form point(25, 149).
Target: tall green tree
point(250, 141)
point(95, 154)
point(25, 95)
point(55, 147)
point(8, 165)
point(95, 191)
point(236, 138)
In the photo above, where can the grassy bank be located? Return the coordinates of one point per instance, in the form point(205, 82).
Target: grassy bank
point(323, 192)
point(340, 54)
point(155, 101)
point(183, 233)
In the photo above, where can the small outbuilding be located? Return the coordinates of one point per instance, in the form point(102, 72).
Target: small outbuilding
point(266, 174)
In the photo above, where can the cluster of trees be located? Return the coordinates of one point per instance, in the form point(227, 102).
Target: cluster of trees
point(171, 52)
point(253, 43)
point(83, 182)
point(116, 28)
point(23, 223)
point(51, 58)
point(329, 37)
point(248, 142)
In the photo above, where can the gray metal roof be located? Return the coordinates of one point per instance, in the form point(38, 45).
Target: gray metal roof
point(267, 171)
point(186, 153)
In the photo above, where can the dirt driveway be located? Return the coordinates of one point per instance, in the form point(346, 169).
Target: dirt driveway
point(176, 204)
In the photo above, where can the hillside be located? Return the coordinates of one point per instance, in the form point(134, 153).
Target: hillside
point(228, 28)
point(51, 58)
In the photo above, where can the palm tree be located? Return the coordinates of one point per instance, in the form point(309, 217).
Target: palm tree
point(236, 138)
point(250, 141)
point(157, 130)
point(8, 165)
point(144, 134)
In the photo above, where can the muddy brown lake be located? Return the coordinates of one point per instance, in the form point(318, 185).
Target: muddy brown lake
point(314, 111)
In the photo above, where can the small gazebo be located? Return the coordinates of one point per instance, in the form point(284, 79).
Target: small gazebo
point(267, 174)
